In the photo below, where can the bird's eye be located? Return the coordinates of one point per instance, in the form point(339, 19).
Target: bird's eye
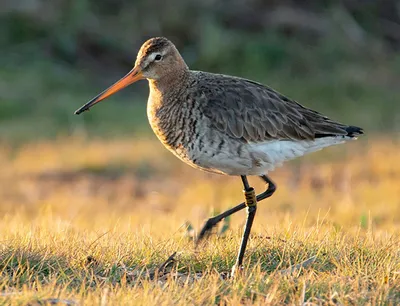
point(158, 57)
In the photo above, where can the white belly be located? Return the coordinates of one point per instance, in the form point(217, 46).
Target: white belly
point(260, 158)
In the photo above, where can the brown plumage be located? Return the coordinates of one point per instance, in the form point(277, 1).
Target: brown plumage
point(254, 113)
point(225, 124)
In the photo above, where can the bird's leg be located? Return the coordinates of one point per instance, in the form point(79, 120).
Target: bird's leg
point(209, 225)
point(251, 204)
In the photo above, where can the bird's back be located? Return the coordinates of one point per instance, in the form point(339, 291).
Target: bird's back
point(253, 112)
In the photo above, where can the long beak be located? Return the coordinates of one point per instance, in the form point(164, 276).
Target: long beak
point(134, 75)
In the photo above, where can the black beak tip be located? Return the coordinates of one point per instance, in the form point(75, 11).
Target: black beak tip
point(81, 110)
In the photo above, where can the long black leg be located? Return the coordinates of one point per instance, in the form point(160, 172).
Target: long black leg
point(251, 204)
point(209, 225)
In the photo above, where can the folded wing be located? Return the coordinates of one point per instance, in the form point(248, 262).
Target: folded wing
point(255, 113)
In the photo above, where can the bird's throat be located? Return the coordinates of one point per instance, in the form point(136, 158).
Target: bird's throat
point(169, 85)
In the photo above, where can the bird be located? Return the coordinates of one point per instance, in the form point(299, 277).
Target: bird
point(225, 124)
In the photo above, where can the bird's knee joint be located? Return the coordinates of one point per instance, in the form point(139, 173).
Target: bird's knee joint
point(271, 188)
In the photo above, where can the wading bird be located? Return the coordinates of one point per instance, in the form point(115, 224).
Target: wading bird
point(225, 124)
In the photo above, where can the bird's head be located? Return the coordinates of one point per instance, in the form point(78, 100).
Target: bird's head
point(157, 58)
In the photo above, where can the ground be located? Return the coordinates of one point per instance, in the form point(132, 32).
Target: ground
point(88, 221)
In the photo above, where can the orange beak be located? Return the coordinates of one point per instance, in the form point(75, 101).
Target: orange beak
point(134, 75)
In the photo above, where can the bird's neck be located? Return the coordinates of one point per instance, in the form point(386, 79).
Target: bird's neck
point(163, 108)
point(169, 85)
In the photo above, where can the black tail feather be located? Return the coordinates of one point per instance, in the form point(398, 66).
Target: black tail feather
point(354, 131)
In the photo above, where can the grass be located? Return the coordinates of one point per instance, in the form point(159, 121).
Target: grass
point(85, 222)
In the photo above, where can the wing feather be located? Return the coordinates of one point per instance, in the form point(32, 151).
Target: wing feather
point(252, 112)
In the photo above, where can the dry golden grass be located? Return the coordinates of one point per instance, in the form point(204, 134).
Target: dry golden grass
point(86, 222)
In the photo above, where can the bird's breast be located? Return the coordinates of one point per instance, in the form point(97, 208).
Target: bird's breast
point(170, 122)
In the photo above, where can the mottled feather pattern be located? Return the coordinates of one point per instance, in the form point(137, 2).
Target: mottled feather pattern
point(173, 115)
point(253, 112)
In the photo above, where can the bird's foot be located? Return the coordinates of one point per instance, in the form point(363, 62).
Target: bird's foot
point(236, 270)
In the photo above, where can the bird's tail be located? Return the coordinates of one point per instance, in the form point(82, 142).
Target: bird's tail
point(354, 131)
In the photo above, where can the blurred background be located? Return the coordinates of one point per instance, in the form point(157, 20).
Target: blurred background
point(82, 195)
point(338, 57)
